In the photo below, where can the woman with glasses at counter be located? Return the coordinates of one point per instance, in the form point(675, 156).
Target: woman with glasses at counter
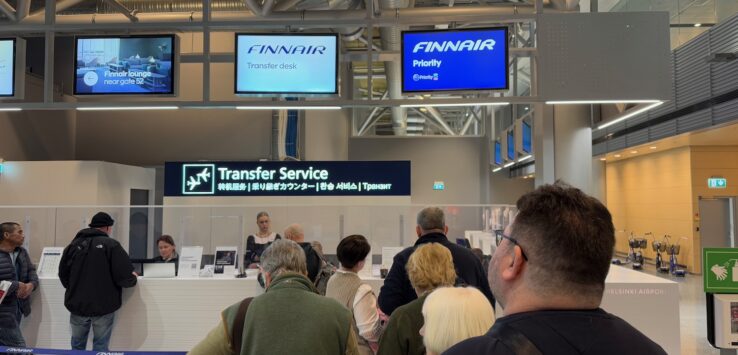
point(256, 243)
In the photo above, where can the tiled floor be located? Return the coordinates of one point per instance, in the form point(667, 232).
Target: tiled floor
point(691, 313)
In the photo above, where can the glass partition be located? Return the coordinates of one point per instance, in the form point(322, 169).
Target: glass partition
point(213, 226)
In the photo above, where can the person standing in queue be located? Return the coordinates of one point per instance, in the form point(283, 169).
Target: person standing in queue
point(94, 269)
point(257, 242)
point(167, 251)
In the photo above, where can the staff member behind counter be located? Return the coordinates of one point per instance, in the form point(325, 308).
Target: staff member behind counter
point(256, 243)
point(167, 251)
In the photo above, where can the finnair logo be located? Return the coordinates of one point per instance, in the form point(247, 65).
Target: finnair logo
point(278, 49)
point(455, 46)
point(198, 179)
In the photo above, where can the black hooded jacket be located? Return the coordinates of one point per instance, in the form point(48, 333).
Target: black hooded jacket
point(94, 268)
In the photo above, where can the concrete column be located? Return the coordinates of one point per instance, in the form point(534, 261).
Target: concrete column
point(563, 146)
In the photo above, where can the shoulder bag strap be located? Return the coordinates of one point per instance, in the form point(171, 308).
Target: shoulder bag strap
point(516, 341)
point(238, 324)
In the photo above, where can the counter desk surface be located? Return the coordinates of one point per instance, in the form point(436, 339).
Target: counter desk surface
point(175, 314)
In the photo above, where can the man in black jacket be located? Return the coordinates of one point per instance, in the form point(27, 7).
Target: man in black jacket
point(16, 268)
point(431, 228)
point(94, 268)
point(295, 233)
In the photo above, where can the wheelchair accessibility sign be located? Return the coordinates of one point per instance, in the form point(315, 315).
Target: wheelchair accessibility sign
point(720, 270)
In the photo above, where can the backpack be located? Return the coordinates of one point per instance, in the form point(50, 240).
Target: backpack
point(326, 271)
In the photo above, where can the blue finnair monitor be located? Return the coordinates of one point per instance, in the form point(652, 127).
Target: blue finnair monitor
point(124, 65)
point(455, 60)
point(527, 146)
point(511, 145)
point(286, 63)
point(498, 153)
point(7, 67)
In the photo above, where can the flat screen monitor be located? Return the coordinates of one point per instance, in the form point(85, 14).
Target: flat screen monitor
point(286, 63)
point(455, 60)
point(124, 65)
point(7, 67)
point(511, 145)
point(527, 136)
point(498, 153)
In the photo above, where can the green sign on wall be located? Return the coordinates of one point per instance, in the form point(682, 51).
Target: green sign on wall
point(720, 270)
point(717, 183)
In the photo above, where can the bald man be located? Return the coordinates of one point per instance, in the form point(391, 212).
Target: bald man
point(295, 233)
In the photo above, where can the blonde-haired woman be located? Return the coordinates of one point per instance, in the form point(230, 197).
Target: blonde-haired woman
point(430, 266)
point(453, 314)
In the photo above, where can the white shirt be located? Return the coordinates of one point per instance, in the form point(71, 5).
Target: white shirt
point(264, 240)
point(366, 313)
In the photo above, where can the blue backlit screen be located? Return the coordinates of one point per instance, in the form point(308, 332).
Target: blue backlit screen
point(453, 60)
point(526, 137)
point(7, 67)
point(498, 153)
point(510, 145)
point(124, 65)
point(294, 64)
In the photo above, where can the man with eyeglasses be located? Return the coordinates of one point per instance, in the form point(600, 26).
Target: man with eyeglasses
point(431, 228)
point(548, 274)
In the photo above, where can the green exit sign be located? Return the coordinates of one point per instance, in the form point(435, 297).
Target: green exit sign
point(717, 183)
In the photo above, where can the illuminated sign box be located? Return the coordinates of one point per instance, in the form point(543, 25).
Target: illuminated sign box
point(7, 67)
point(352, 178)
point(717, 183)
point(455, 60)
point(124, 65)
point(286, 64)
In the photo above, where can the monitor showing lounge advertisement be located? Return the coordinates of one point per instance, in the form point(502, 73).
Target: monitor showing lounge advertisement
point(7, 67)
point(124, 65)
point(304, 63)
point(510, 145)
point(527, 138)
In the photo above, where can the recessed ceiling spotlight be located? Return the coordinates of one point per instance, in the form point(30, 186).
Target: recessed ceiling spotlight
point(697, 25)
point(633, 152)
point(617, 155)
point(652, 147)
point(603, 159)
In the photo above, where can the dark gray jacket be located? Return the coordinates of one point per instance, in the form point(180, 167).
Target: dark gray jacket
point(27, 273)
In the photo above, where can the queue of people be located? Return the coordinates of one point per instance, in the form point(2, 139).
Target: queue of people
point(547, 274)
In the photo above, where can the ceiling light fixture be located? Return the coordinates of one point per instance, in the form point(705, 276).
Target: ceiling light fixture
point(633, 152)
point(288, 107)
point(630, 114)
point(577, 102)
point(125, 108)
point(617, 155)
point(525, 158)
point(652, 147)
point(457, 105)
point(509, 164)
point(10, 109)
point(697, 25)
point(496, 169)
point(603, 159)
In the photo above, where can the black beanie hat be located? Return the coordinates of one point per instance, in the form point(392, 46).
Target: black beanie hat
point(101, 219)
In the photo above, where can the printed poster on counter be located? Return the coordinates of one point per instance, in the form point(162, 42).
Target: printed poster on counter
point(225, 260)
point(189, 261)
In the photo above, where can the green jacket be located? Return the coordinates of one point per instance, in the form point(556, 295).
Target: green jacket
point(289, 318)
point(402, 335)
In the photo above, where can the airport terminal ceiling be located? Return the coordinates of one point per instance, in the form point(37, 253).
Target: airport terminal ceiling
point(365, 85)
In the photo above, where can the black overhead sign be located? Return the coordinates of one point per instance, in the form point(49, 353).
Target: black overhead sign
point(272, 178)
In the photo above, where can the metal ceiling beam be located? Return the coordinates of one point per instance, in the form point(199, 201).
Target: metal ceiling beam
point(130, 14)
point(261, 103)
point(238, 20)
point(23, 9)
point(8, 10)
point(438, 118)
point(61, 5)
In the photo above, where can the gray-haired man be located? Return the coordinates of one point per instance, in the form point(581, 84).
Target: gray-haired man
point(291, 305)
point(431, 228)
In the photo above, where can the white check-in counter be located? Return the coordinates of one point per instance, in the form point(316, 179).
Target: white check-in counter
point(175, 314)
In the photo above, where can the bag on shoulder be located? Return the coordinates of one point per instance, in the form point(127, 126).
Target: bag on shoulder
point(321, 281)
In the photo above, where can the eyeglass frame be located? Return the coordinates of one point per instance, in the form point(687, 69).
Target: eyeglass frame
point(500, 235)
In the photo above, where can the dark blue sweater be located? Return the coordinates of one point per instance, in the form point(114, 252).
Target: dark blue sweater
point(398, 291)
